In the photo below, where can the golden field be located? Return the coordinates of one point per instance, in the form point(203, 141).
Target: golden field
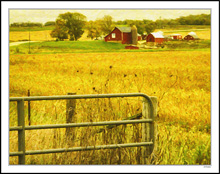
point(34, 35)
point(179, 79)
point(44, 35)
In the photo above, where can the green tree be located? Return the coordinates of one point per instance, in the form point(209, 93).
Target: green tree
point(106, 24)
point(202, 19)
point(50, 23)
point(161, 23)
point(140, 26)
point(60, 31)
point(75, 23)
point(172, 23)
point(94, 29)
point(150, 26)
point(138, 23)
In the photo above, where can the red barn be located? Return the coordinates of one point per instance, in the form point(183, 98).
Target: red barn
point(172, 37)
point(176, 36)
point(191, 37)
point(157, 38)
point(139, 37)
point(122, 34)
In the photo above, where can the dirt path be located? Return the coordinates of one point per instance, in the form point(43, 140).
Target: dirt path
point(18, 43)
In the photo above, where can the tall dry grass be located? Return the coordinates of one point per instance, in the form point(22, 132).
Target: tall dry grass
point(181, 81)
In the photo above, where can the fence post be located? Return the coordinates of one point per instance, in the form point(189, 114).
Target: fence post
point(155, 104)
point(148, 129)
point(70, 111)
point(21, 133)
point(29, 109)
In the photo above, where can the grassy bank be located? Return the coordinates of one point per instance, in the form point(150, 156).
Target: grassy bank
point(199, 44)
point(101, 46)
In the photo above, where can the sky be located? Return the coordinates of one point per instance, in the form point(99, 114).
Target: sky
point(46, 15)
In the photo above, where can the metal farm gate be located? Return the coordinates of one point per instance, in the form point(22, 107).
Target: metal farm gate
point(148, 128)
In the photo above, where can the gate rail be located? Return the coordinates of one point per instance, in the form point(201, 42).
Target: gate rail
point(147, 118)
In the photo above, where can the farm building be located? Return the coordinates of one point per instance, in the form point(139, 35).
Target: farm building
point(191, 36)
point(167, 38)
point(157, 38)
point(172, 37)
point(139, 37)
point(176, 36)
point(125, 35)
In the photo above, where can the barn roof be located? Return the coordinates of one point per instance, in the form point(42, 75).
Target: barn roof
point(193, 34)
point(124, 29)
point(157, 35)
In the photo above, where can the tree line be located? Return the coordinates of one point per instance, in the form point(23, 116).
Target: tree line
point(26, 24)
point(32, 24)
point(202, 19)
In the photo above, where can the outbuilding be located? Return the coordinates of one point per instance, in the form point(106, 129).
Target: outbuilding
point(176, 36)
point(157, 38)
point(171, 37)
point(139, 37)
point(122, 34)
point(191, 36)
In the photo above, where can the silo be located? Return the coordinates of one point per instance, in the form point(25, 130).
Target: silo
point(134, 37)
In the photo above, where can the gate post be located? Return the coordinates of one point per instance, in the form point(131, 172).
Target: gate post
point(21, 133)
point(29, 109)
point(70, 111)
point(148, 129)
